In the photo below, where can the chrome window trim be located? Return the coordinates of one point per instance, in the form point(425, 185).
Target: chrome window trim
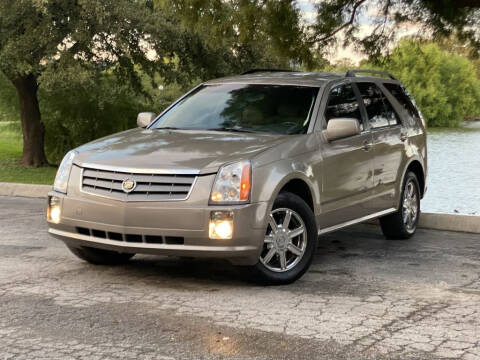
point(322, 107)
point(312, 115)
point(172, 105)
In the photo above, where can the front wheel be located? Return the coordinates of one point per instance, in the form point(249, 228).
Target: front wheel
point(290, 241)
point(100, 256)
point(403, 223)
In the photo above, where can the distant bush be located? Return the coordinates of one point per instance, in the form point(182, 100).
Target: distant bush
point(79, 114)
point(88, 110)
point(8, 100)
point(444, 85)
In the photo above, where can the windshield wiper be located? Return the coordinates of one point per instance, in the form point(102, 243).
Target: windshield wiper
point(232, 130)
point(212, 129)
point(169, 128)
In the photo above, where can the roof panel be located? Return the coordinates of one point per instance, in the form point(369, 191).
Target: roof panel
point(280, 78)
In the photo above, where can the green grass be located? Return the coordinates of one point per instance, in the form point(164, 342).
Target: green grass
point(10, 152)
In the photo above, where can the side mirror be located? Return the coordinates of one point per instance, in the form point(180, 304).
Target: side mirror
point(145, 118)
point(340, 128)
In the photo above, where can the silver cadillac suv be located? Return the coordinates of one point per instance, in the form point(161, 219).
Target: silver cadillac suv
point(251, 168)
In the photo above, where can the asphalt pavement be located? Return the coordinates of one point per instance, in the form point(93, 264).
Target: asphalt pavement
point(363, 298)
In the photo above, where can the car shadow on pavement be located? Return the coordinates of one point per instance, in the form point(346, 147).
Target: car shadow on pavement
point(175, 269)
point(338, 248)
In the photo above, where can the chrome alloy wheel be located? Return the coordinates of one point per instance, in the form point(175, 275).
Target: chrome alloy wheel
point(285, 240)
point(410, 206)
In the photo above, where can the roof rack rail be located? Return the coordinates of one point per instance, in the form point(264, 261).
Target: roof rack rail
point(252, 71)
point(352, 73)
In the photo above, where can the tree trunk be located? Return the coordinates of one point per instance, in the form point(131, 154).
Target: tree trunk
point(32, 127)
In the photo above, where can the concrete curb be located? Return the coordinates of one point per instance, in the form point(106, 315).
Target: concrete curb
point(451, 222)
point(27, 190)
point(448, 222)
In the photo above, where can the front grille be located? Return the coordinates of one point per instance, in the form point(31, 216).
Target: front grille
point(131, 238)
point(149, 187)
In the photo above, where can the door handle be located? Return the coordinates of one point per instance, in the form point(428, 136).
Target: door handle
point(403, 137)
point(366, 146)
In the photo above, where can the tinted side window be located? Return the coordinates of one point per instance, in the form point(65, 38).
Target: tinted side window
point(342, 103)
point(379, 110)
point(404, 100)
point(390, 113)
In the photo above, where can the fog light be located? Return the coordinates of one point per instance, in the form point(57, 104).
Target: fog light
point(53, 210)
point(221, 225)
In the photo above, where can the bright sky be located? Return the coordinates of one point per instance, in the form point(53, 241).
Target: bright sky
point(308, 10)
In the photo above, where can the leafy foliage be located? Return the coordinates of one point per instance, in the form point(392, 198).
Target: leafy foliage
point(8, 100)
point(94, 64)
point(440, 18)
point(244, 34)
point(97, 63)
point(444, 85)
point(57, 43)
point(454, 45)
point(58, 38)
point(91, 109)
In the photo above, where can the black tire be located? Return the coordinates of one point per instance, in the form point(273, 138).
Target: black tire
point(100, 256)
point(395, 226)
point(299, 208)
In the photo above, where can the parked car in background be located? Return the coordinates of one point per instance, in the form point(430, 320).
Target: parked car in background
point(250, 168)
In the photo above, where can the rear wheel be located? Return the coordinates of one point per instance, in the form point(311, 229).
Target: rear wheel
point(100, 256)
point(290, 241)
point(403, 223)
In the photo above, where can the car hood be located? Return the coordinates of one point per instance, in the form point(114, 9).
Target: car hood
point(190, 150)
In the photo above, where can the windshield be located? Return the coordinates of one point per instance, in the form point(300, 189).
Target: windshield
point(276, 109)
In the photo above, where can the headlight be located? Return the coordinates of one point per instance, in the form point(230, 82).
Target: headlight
point(232, 184)
point(63, 172)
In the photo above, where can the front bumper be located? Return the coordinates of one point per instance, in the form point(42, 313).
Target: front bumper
point(177, 228)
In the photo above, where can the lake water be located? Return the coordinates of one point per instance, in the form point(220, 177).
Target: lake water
point(454, 171)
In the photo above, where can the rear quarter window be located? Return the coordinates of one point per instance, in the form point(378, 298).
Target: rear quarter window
point(379, 110)
point(403, 98)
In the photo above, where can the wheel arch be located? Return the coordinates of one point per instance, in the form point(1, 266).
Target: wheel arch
point(299, 185)
point(416, 167)
point(301, 189)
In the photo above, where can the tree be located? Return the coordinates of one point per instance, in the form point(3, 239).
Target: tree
point(246, 33)
point(340, 66)
point(443, 84)
point(381, 18)
point(454, 45)
point(51, 42)
point(8, 101)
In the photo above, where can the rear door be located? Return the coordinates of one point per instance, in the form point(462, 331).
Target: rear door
point(347, 167)
point(388, 137)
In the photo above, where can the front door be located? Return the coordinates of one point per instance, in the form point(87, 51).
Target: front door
point(347, 170)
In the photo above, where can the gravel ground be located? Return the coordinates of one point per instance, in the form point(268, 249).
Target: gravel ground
point(363, 298)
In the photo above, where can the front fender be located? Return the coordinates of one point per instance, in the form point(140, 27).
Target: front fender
point(268, 180)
